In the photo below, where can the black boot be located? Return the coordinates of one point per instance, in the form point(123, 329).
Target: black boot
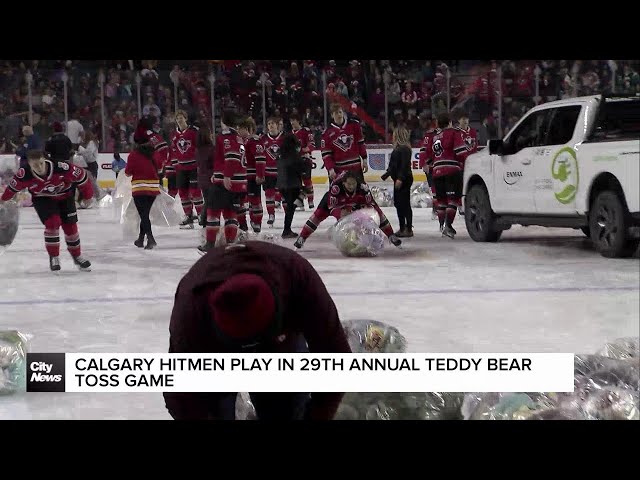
point(151, 242)
point(140, 241)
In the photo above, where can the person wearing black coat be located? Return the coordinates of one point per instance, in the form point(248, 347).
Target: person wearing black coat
point(399, 170)
point(59, 146)
point(291, 166)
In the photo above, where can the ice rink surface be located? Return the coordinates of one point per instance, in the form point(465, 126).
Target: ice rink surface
point(537, 290)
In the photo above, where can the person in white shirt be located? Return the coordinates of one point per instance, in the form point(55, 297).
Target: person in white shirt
point(75, 132)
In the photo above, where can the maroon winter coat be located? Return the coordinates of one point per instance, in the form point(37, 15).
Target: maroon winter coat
point(308, 309)
point(204, 160)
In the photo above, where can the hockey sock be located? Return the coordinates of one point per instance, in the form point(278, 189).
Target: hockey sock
point(230, 225)
point(72, 238)
point(213, 224)
point(52, 235)
point(270, 194)
point(187, 204)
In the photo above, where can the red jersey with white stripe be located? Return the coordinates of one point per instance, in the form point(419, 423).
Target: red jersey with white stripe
point(183, 148)
point(267, 163)
point(444, 145)
point(229, 161)
point(341, 199)
point(56, 183)
point(470, 139)
point(252, 149)
point(160, 149)
point(425, 156)
point(343, 146)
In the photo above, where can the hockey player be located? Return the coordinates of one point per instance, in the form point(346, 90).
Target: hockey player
point(229, 183)
point(424, 161)
point(51, 185)
point(254, 297)
point(266, 165)
point(470, 135)
point(307, 145)
point(346, 194)
point(252, 149)
point(343, 146)
point(183, 147)
point(444, 150)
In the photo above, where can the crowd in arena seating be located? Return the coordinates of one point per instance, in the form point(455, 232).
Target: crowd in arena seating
point(33, 92)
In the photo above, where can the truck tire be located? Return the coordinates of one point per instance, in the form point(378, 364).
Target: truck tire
point(586, 231)
point(608, 226)
point(479, 217)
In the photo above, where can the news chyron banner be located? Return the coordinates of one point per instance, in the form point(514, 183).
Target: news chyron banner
point(300, 372)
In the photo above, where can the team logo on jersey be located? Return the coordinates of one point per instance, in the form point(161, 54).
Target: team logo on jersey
point(183, 145)
point(470, 142)
point(20, 173)
point(259, 148)
point(52, 189)
point(437, 148)
point(335, 190)
point(273, 150)
point(344, 142)
point(227, 143)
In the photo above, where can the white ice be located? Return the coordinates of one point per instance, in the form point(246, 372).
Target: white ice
point(537, 290)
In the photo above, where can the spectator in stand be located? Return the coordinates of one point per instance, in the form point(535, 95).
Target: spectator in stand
point(151, 109)
point(409, 97)
point(6, 146)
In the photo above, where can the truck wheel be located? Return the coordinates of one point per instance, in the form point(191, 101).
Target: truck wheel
point(478, 216)
point(586, 231)
point(607, 222)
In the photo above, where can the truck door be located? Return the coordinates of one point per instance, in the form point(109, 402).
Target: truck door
point(514, 170)
point(555, 164)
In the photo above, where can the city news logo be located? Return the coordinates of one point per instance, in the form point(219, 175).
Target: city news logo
point(45, 372)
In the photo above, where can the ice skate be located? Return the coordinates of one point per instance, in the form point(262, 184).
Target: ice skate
point(151, 242)
point(54, 264)
point(82, 263)
point(311, 206)
point(187, 223)
point(298, 203)
point(278, 205)
point(272, 219)
point(243, 227)
point(256, 227)
point(299, 242)
point(448, 231)
point(395, 240)
point(205, 247)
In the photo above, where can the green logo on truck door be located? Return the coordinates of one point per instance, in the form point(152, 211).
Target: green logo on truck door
point(564, 170)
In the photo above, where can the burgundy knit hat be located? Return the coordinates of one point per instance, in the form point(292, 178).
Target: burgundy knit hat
point(244, 307)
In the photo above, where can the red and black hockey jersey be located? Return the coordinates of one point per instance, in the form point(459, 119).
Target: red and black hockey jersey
point(183, 148)
point(343, 146)
point(267, 163)
point(229, 161)
point(160, 149)
point(341, 199)
point(252, 149)
point(470, 141)
point(425, 154)
point(56, 183)
point(442, 146)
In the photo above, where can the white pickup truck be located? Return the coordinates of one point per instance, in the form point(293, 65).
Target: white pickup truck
point(572, 163)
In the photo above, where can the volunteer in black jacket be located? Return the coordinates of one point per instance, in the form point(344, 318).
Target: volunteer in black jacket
point(291, 166)
point(400, 172)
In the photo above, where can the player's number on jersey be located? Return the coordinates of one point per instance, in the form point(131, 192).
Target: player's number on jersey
point(437, 148)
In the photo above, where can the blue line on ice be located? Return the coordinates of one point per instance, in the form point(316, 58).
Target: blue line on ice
point(168, 298)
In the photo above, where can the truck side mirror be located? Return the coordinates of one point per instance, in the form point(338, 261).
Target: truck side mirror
point(496, 147)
